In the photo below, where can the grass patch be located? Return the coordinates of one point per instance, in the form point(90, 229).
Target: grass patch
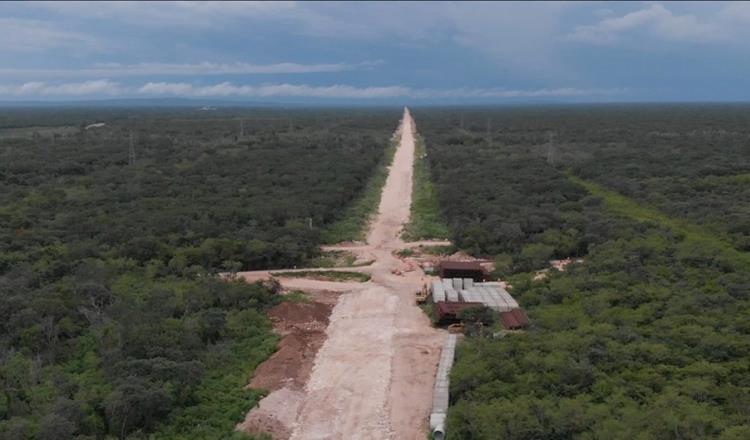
point(353, 225)
point(620, 204)
point(406, 252)
point(296, 296)
point(426, 219)
point(731, 179)
point(334, 259)
point(429, 309)
point(338, 259)
point(326, 275)
point(426, 250)
point(438, 250)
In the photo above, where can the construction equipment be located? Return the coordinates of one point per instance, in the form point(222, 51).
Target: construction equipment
point(423, 294)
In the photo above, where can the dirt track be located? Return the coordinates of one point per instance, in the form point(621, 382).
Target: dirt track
point(373, 376)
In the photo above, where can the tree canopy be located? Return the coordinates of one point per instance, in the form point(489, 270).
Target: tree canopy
point(113, 323)
point(648, 336)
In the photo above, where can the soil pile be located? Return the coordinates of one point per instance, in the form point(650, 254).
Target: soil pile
point(302, 326)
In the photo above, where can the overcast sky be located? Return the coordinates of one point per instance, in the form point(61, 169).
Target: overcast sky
point(377, 52)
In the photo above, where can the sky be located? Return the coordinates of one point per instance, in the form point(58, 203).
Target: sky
point(372, 52)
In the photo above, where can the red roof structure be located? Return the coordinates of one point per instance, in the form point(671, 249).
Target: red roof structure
point(462, 269)
point(514, 320)
point(447, 311)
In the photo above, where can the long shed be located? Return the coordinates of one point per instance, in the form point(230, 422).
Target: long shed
point(462, 269)
point(447, 312)
point(514, 319)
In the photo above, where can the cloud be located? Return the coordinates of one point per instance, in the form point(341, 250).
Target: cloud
point(655, 19)
point(86, 88)
point(22, 35)
point(204, 68)
point(226, 89)
point(229, 90)
point(514, 34)
point(736, 12)
point(520, 35)
point(160, 14)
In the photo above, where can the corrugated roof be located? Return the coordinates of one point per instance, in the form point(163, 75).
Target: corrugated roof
point(448, 311)
point(520, 316)
point(514, 319)
point(453, 307)
point(460, 265)
point(509, 321)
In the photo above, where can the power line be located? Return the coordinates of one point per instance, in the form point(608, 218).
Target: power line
point(131, 151)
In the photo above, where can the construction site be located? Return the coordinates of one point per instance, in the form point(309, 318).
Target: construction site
point(362, 359)
point(451, 294)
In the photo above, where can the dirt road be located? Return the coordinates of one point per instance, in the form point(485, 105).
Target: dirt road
point(373, 377)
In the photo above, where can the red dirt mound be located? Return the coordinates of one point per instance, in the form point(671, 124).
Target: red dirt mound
point(302, 326)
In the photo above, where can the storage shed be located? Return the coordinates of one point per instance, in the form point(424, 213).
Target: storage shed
point(462, 269)
point(514, 319)
point(447, 312)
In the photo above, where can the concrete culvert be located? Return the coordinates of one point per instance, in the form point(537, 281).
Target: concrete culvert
point(442, 385)
point(437, 424)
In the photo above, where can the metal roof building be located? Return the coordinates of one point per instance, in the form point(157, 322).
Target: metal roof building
point(451, 295)
point(462, 269)
point(447, 312)
point(515, 319)
point(492, 295)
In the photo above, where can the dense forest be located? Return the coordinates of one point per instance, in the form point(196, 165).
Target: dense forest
point(648, 336)
point(113, 226)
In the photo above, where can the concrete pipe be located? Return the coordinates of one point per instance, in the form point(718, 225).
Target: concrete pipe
point(437, 424)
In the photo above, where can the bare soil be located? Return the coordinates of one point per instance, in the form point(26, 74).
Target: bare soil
point(302, 326)
point(275, 414)
point(373, 375)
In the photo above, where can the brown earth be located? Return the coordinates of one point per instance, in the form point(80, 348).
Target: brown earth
point(372, 378)
point(302, 327)
point(374, 375)
point(275, 414)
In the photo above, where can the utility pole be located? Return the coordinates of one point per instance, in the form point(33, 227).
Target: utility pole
point(131, 151)
point(309, 223)
point(551, 148)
